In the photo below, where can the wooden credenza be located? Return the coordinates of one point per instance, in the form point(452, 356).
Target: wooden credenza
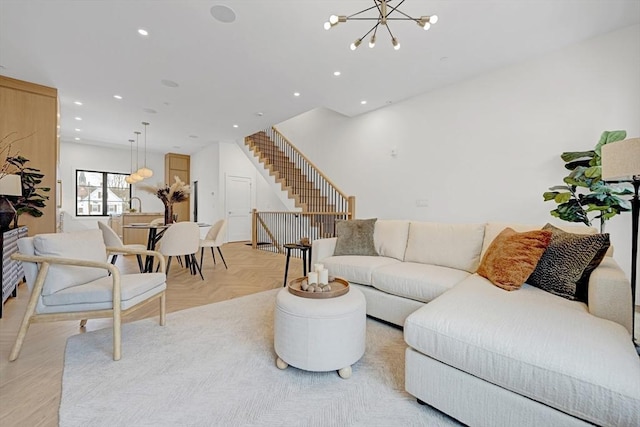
point(11, 272)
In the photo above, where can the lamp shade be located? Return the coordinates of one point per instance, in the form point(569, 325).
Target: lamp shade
point(621, 160)
point(11, 185)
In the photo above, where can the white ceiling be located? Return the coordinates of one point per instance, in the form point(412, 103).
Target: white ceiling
point(229, 72)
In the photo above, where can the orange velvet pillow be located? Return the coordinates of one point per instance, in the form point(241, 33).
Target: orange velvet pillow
point(512, 257)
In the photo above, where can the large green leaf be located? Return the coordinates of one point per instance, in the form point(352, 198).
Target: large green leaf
point(570, 156)
point(549, 195)
point(562, 197)
point(593, 172)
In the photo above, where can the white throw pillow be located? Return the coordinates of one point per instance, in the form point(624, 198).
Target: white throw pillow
point(449, 245)
point(390, 238)
point(86, 245)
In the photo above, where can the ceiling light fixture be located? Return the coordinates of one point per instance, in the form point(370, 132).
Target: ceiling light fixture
point(77, 102)
point(145, 172)
point(385, 11)
point(143, 32)
point(128, 178)
point(336, 73)
point(78, 118)
point(296, 93)
point(117, 96)
point(136, 177)
point(235, 126)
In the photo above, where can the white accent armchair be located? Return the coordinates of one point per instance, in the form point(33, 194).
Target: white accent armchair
point(69, 278)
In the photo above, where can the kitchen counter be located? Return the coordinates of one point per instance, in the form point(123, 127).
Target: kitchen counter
point(132, 236)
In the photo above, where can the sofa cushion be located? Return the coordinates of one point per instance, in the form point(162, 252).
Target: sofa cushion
point(355, 237)
point(492, 229)
point(101, 290)
point(533, 343)
point(85, 245)
point(449, 245)
point(566, 265)
point(354, 268)
point(390, 238)
point(512, 257)
point(420, 282)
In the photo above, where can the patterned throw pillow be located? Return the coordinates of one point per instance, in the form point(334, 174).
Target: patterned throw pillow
point(566, 265)
point(512, 256)
point(355, 237)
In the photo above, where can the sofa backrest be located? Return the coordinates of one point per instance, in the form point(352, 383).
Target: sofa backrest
point(449, 245)
point(494, 228)
point(390, 237)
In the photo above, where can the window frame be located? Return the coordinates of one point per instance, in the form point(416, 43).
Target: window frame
point(104, 193)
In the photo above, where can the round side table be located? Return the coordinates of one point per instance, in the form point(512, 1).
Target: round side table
point(320, 334)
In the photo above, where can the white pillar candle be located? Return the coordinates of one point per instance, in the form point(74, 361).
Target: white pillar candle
point(318, 267)
point(312, 277)
point(323, 276)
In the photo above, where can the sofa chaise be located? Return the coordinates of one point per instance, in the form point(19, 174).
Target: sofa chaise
point(487, 356)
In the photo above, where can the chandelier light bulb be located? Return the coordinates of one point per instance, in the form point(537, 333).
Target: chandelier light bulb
point(372, 42)
point(136, 177)
point(433, 19)
point(333, 19)
point(355, 44)
point(395, 43)
point(327, 25)
point(426, 26)
point(145, 172)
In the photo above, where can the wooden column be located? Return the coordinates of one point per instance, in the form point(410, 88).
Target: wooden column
point(178, 165)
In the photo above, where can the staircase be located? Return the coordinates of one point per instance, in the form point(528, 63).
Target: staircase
point(320, 201)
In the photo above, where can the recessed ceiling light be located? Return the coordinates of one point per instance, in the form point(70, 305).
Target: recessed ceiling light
point(363, 102)
point(77, 102)
point(176, 146)
point(169, 83)
point(336, 73)
point(223, 14)
point(235, 126)
point(259, 114)
point(78, 118)
point(78, 130)
point(296, 93)
point(76, 138)
point(117, 96)
point(444, 58)
point(143, 32)
point(149, 110)
point(193, 136)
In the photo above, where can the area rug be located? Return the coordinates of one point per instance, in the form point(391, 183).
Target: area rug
point(215, 366)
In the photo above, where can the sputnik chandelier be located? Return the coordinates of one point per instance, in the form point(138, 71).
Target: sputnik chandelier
point(385, 10)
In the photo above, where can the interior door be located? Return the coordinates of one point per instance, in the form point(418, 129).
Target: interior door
point(238, 202)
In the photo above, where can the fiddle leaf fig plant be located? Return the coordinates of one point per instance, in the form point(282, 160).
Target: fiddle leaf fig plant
point(32, 198)
point(584, 192)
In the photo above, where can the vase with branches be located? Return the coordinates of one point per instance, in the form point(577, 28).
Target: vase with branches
point(584, 196)
point(169, 194)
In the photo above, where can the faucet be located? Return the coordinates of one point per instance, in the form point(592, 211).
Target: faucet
point(139, 203)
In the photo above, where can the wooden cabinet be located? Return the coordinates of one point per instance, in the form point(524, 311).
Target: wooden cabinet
point(11, 273)
point(178, 165)
point(137, 236)
point(31, 111)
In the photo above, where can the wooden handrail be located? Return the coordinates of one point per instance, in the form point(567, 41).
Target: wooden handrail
point(325, 177)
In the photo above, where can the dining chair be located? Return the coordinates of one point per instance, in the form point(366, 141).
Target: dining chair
point(112, 239)
point(69, 278)
point(214, 239)
point(157, 221)
point(182, 239)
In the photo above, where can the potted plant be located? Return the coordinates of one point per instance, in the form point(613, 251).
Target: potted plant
point(32, 198)
point(584, 193)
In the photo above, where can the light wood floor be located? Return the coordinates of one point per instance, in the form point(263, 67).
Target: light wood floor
point(30, 387)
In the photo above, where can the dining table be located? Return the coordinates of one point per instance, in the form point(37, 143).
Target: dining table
point(154, 235)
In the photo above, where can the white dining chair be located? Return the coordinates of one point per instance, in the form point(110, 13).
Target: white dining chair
point(214, 239)
point(112, 240)
point(182, 239)
point(157, 221)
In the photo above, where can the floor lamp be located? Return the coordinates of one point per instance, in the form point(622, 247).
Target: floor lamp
point(621, 163)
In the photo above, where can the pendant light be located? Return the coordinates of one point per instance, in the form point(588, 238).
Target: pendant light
point(128, 179)
point(136, 176)
point(145, 172)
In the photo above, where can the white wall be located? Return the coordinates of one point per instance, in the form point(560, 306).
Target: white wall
point(487, 148)
point(204, 169)
point(75, 156)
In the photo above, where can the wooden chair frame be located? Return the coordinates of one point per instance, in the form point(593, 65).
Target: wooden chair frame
point(116, 312)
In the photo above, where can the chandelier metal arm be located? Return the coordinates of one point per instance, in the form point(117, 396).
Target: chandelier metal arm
point(363, 11)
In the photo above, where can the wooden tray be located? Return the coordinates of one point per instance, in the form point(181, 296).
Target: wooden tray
point(338, 287)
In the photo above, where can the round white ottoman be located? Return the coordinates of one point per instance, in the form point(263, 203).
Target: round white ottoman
point(320, 334)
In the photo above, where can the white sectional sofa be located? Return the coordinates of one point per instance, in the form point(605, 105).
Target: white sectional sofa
point(490, 357)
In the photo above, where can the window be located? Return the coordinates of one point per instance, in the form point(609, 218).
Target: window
point(101, 193)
